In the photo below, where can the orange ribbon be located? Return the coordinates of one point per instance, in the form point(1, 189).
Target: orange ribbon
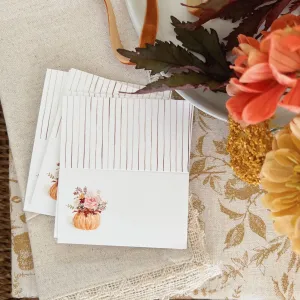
point(148, 34)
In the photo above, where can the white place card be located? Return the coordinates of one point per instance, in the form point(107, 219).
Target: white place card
point(53, 91)
point(124, 172)
point(79, 83)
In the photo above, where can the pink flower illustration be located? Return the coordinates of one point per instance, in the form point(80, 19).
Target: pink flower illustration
point(91, 203)
point(87, 207)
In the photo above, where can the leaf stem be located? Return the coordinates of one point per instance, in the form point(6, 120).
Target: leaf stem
point(207, 172)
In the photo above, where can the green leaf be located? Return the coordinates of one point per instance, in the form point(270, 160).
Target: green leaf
point(207, 44)
point(70, 206)
point(163, 57)
point(181, 82)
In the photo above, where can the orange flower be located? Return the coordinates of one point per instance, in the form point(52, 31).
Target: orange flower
point(266, 71)
point(283, 22)
point(283, 47)
point(281, 179)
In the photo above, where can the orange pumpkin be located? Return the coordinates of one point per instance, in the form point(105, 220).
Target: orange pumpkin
point(86, 222)
point(53, 191)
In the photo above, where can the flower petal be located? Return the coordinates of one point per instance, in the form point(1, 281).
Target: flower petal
point(285, 141)
point(292, 100)
point(287, 157)
point(296, 245)
point(280, 201)
point(274, 187)
point(235, 86)
point(295, 127)
point(289, 81)
point(284, 21)
point(286, 212)
point(296, 141)
point(279, 204)
point(248, 40)
point(236, 105)
point(270, 156)
point(240, 64)
point(257, 73)
point(284, 225)
point(281, 57)
point(232, 89)
point(237, 51)
point(256, 57)
point(297, 228)
point(275, 172)
point(238, 69)
point(263, 107)
point(292, 42)
point(246, 48)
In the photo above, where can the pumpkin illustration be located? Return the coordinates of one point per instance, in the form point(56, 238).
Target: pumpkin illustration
point(53, 191)
point(87, 221)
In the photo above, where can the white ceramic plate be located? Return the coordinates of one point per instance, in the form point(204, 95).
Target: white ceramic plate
point(209, 102)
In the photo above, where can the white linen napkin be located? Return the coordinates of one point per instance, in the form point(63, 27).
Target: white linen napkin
point(40, 34)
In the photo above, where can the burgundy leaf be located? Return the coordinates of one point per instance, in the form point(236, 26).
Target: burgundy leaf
point(295, 4)
point(249, 26)
point(231, 10)
point(275, 12)
point(240, 9)
point(210, 9)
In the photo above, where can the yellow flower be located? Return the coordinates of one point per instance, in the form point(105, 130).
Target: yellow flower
point(281, 179)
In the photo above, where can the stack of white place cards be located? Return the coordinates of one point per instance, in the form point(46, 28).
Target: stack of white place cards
point(111, 166)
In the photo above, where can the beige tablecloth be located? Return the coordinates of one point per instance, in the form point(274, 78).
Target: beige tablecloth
point(256, 264)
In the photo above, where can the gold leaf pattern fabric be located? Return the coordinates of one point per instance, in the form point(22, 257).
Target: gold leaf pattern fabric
point(255, 262)
point(23, 279)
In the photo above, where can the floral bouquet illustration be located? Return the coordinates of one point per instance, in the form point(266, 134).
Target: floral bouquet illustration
point(54, 186)
point(87, 208)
